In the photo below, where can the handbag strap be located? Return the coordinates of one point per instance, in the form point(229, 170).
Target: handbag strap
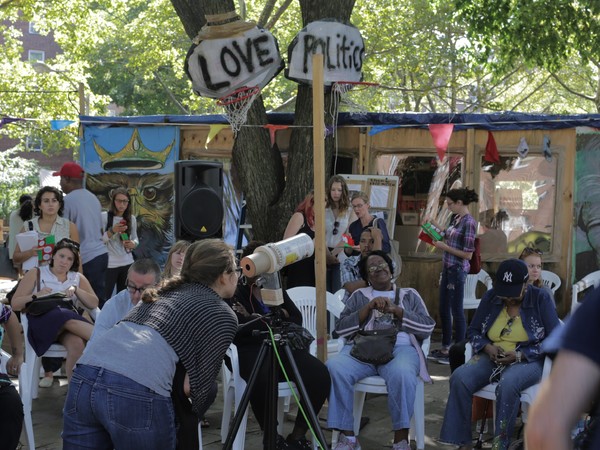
point(38, 278)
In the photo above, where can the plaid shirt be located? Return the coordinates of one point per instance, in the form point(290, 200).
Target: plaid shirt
point(460, 235)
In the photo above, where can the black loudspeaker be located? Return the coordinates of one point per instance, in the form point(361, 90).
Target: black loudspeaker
point(198, 200)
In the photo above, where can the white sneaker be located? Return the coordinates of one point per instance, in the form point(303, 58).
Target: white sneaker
point(402, 445)
point(345, 444)
point(46, 382)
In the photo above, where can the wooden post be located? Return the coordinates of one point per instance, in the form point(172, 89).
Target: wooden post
point(318, 89)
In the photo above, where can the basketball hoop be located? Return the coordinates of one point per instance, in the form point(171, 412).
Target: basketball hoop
point(237, 104)
point(341, 98)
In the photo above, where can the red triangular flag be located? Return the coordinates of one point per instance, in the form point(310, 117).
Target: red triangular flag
point(440, 133)
point(272, 129)
point(491, 150)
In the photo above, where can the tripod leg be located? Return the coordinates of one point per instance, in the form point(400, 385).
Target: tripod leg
point(239, 414)
point(271, 396)
point(314, 420)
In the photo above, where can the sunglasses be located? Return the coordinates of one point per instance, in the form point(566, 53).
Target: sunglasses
point(530, 251)
point(336, 225)
point(66, 243)
point(508, 328)
point(377, 268)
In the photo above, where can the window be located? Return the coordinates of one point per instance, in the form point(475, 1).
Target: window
point(37, 55)
point(34, 143)
point(32, 29)
point(516, 204)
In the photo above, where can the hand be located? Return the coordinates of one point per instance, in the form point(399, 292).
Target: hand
point(380, 304)
point(441, 245)
point(13, 366)
point(507, 358)
point(495, 352)
point(240, 309)
point(119, 228)
point(71, 292)
point(376, 233)
point(331, 260)
point(129, 244)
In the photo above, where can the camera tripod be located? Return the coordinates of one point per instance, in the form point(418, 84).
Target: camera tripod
point(266, 355)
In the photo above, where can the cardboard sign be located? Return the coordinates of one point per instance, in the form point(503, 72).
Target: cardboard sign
point(46, 247)
point(342, 47)
point(217, 67)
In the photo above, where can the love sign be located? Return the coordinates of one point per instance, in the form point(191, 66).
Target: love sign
point(341, 45)
point(217, 67)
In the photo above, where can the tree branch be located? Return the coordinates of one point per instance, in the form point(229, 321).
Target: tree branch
point(278, 14)
point(570, 90)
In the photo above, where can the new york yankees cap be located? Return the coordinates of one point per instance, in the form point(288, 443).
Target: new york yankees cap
point(510, 277)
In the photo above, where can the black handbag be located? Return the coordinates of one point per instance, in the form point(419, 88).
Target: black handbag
point(39, 306)
point(376, 346)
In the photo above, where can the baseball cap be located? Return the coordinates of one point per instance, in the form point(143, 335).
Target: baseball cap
point(71, 170)
point(510, 277)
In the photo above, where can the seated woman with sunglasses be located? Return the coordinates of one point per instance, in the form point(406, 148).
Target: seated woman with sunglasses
point(402, 308)
point(506, 333)
point(59, 324)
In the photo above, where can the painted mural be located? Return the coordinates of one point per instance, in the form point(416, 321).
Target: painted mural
point(142, 160)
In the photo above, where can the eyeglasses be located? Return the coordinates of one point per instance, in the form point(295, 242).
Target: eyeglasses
point(336, 225)
point(508, 328)
point(377, 268)
point(134, 290)
point(530, 251)
point(125, 201)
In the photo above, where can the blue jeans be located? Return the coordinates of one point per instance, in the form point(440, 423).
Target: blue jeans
point(474, 375)
point(452, 289)
point(400, 376)
point(105, 410)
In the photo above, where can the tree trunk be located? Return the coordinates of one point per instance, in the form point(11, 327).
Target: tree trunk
point(270, 196)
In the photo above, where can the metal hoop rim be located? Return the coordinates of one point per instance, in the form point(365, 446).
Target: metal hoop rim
point(232, 98)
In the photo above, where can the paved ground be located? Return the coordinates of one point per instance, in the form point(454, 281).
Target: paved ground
point(377, 434)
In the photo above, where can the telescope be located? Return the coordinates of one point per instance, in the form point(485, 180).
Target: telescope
point(267, 260)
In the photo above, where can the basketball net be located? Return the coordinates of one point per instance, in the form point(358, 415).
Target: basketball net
point(237, 104)
point(342, 99)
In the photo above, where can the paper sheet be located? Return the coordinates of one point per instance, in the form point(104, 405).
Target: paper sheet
point(27, 241)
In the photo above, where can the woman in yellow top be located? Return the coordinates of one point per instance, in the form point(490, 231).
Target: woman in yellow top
point(506, 333)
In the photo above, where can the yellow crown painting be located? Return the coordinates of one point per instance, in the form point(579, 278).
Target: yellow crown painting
point(133, 156)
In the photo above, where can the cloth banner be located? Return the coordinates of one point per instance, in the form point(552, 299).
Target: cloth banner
point(491, 150)
point(441, 133)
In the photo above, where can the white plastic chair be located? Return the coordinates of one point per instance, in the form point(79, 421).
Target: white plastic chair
point(30, 373)
point(551, 280)
point(305, 299)
point(470, 300)
point(527, 396)
point(233, 390)
point(376, 385)
point(590, 280)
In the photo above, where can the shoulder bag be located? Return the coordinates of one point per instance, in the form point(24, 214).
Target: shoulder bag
point(376, 346)
point(39, 306)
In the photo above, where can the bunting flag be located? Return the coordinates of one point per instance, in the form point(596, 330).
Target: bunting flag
point(379, 128)
point(212, 132)
point(274, 129)
point(546, 148)
point(441, 133)
point(523, 148)
point(491, 150)
point(329, 130)
point(60, 124)
point(7, 120)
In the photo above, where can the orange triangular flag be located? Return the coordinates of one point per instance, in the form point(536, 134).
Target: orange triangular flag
point(273, 129)
point(441, 133)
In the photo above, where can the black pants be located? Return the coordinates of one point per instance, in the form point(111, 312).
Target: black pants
point(314, 373)
point(115, 276)
point(456, 355)
point(11, 417)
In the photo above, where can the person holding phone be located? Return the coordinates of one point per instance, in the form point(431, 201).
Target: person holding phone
point(120, 237)
point(506, 333)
